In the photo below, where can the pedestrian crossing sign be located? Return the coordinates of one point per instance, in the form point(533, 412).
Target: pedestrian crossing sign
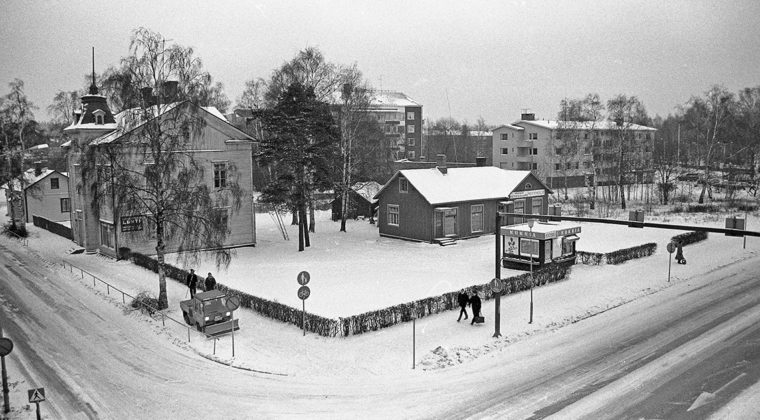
point(36, 395)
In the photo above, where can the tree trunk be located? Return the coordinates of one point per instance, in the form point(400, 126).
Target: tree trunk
point(343, 209)
point(312, 220)
point(163, 301)
point(301, 229)
point(294, 213)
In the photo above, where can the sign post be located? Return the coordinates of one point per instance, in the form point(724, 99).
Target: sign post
point(232, 304)
point(671, 249)
point(6, 345)
point(36, 396)
point(496, 282)
point(303, 294)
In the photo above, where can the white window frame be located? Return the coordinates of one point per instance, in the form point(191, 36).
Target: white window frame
point(410, 129)
point(220, 179)
point(474, 209)
point(67, 207)
point(410, 154)
point(410, 115)
point(505, 136)
point(532, 136)
point(540, 202)
point(393, 210)
point(505, 151)
point(57, 183)
point(534, 245)
point(410, 141)
point(521, 210)
point(403, 185)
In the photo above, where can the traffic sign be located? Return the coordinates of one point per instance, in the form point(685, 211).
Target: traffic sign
point(303, 292)
point(36, 395)
point(671, 247)
point(303, 278)
point(497, 285)
point(233, 302)
point(6, 345)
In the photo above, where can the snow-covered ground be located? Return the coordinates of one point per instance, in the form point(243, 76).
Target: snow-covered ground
point(356, 271)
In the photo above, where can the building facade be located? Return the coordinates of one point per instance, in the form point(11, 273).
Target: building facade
point(223, 151)
point(48, 196)
point(439, 204)
point(401, 119)
point(575, 153)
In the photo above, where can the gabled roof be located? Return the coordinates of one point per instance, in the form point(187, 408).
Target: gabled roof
point(462, 184)
point(582, 125)
point(513, 127)
point(29, 178)
point(131, 119)
point(367, 190)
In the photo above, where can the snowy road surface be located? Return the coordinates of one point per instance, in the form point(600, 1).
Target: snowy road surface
point(654, 357)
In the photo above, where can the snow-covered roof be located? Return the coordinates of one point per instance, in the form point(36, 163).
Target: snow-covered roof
point(215, 112)
point(382, 98)
point(39, 147)
point(367, 190)
point(461, 184)
point(544, 228)
point(582, 125)
point(510, 126)
point(29, 178)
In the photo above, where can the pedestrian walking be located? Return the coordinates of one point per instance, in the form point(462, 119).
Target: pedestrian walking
point(475, 303)
point(679, 253)
point(192, 282)
point(463, 299)
point(210, 282)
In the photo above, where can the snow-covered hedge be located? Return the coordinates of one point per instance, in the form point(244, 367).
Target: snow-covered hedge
point(369, 321)
point(616, 257)
point(690, 237)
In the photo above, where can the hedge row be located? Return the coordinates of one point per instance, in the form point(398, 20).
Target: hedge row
point(616, 257)
point(54, 227)
point(690, 237)
point(369, 321)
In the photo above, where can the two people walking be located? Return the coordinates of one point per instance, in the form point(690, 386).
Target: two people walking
point(192, 283)
point(464, 299)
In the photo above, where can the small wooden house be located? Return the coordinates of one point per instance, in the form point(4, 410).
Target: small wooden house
point(441, 204)
point(48, 196)
point(361, 201)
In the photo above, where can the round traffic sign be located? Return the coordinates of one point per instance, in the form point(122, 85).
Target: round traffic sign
point(497, 285)
point(304, 292)
point(303, 278)
point(233, 302)
point(6, 345)
point(671, 247)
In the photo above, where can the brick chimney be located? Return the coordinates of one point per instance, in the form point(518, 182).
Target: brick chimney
point(169, 91)
point(441, 163)
point(147, 96)
point(528, 116)
point(37, 168)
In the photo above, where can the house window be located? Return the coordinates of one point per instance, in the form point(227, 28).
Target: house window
point(393, 214)
point(585, 136)
point(567, 165)
point(403, 185)
point(576, 164)
point(505, 136)
point(476, 218)
point(410, 116)
point(533, 136)
point(410, 154)
point(556, 166)
point(535, 151)
point(410, 141)
point(54, 184)
point(106, 234)
point(504, 150)
point(535, 166)
point(537, 205)
point(220, 175)
point(557, 150)
point(410, 129)
point(99, 119)
point(519, 208)
point(65, 205)
point(221, 218)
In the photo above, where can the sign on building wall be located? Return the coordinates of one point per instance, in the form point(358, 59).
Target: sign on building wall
point(526, 194)
point(131, 223)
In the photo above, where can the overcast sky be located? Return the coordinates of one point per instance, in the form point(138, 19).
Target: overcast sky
point(460, 58)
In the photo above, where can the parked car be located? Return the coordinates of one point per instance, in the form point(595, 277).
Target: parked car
point(689, 176)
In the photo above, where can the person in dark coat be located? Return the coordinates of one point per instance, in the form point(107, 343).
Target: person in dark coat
point(463, 301)
point(192, 282)
point(679, 253)
point(210, 282)
point(475, 303)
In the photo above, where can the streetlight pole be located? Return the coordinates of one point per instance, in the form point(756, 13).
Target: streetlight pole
point(497, 275)
point(530, 226)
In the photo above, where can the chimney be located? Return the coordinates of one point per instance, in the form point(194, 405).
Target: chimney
point(441, 163)
point(77, 115)
point(480, 161)
point(37, 168)
point(169, 91)
point(528, 116)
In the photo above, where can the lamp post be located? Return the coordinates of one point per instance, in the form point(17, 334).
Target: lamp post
point(530, 226)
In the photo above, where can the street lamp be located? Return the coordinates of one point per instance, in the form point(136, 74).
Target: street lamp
point(530, 226)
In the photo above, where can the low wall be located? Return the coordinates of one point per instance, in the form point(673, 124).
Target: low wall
point(54, 227)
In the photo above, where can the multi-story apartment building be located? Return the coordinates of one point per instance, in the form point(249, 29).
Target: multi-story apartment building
point(401, 119)
point(574, 153)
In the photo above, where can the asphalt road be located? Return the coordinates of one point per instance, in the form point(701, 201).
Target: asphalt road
point(680, 353)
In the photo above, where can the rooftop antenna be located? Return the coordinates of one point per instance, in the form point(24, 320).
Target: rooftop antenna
point(93, 88)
